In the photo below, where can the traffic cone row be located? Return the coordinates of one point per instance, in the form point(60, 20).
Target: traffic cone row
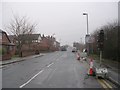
point(90, 72)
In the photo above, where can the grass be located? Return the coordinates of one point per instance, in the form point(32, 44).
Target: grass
point(105, 61)
point(0, 51)
point(94, 56)
point(15, 56)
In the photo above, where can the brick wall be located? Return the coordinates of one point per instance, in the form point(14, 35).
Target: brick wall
point(9, 49)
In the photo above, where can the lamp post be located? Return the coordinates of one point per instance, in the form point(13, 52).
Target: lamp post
point(87, 35)
point(86, 14)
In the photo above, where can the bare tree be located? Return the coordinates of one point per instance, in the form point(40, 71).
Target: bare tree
point(19, 26)
point(111, 41)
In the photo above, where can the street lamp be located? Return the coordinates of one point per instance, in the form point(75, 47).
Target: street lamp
point(87, 21)
point(87, 35)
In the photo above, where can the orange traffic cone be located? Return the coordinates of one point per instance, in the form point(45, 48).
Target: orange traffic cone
point(91, 68)
point(78, 56)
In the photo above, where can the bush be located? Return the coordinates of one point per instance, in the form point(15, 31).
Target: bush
point(1, 51)
point(4, 50)
point(111, 43)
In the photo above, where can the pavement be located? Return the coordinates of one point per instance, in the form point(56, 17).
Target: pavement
point(19, 59)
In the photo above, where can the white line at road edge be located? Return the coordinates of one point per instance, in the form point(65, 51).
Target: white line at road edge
point(50, 64)
point(31, 79)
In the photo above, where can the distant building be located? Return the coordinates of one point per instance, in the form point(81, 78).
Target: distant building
point(49, 43)
point(7, 48)
point(79, 46)
point(57, 45)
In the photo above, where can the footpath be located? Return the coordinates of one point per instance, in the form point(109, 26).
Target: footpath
point(19, 59)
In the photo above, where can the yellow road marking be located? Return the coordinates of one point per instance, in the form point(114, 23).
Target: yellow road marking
point(104, 83)
point(109, 86)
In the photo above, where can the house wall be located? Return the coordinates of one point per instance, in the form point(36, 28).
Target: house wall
point(7, 50)
point(29, 49)
point(5, 39)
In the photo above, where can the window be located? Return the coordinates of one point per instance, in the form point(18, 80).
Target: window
point(10, 48)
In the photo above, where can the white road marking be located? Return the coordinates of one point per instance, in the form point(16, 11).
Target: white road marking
point(1, 67)
point(50, 64)
point(31, 79)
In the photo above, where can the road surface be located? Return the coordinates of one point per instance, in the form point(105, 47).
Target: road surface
point(59, 69)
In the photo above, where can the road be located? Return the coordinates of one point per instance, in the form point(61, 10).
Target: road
point(54, 70)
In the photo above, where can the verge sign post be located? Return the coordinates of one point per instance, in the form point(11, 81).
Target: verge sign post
point(89, 40)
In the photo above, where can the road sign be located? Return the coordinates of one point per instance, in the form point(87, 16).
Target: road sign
point(89, 39)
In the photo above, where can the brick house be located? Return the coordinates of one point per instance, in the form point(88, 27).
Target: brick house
point(35, 43)
point(44, 46)
point(30, 44)
point(7, 48)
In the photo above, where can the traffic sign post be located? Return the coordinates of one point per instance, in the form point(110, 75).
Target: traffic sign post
point(89, 40)
point(100, 57)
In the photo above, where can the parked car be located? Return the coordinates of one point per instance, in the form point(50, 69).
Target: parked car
point(63, 49)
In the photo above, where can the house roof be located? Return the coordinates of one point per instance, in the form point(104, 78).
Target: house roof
point(1, 31)
point(57, 42)
point(5, 43)
point(29, 36)
point(26, 36)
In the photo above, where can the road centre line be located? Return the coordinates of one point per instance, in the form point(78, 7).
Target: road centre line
point(50, 64)
point(31, 79)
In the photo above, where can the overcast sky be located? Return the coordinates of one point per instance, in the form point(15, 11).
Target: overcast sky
point(65, 19)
